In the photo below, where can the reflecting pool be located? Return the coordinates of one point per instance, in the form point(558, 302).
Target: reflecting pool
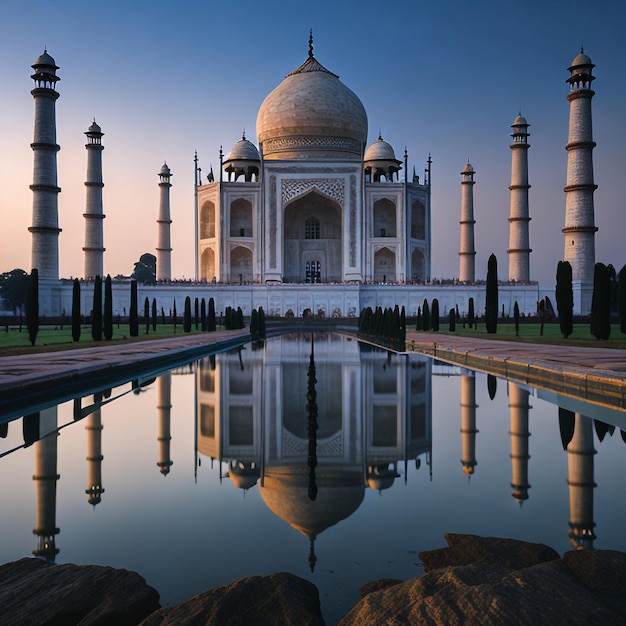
point(327, 458)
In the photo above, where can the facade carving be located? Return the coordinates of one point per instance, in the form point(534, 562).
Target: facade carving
point(292, 188)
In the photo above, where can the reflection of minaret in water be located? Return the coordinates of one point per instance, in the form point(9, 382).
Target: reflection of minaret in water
point(164, 386)
point(94, 454)
point(518, 407)
point(312, 413)
point(468, 423)
point(45, 478)
point(580, 453)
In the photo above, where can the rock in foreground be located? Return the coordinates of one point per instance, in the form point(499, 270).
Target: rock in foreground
point(33, 591)
point(480, 580)
point(274, 600)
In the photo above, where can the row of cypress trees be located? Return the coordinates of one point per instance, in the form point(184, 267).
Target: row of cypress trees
point(257, 324)
point(384, 324)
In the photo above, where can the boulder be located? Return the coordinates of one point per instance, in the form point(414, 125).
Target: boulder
point(510, 582)
point(278, 599)
point(33, 591)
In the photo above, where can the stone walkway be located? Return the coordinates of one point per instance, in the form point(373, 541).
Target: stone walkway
point(596, 374)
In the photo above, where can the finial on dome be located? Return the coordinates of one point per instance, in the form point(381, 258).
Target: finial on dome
point(380, 135)
point(311, 43)
point(243, 134)
point(582, 50)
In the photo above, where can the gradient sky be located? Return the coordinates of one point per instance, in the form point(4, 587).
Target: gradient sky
point(164, 79)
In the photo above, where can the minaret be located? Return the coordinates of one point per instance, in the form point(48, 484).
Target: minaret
point(164, 248)
point(164, 406)
point(466, 252)
point(468, 423)
point(519, 238)
point(580, 229)
point(580, 453)
point(94, 455)
point(518, 408)
point(94, 240)
point(45, 478)
point(45, 228)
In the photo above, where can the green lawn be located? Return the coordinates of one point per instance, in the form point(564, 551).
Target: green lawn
point(530, 333)
point(51, 338)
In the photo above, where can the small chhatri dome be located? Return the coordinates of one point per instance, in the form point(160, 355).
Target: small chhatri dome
point(520, 120)
point(244, 150)
point(94, 129)
point(165, 170)
point(468, 169)
point(380, 150)
point(45, 60)
point(312, 114)
point(580, 61)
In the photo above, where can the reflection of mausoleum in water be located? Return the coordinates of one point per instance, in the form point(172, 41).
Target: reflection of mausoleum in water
point(374, 411)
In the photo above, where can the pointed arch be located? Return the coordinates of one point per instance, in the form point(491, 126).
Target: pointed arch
point(384, 266)
point(384, 218)
point(241, 270)
point(207, 220)
point(207, 265)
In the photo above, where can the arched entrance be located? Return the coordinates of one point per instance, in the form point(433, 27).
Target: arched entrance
point(241, 265)
point(312, 240)
point(417, 265)
point(384, 266)
point(207, 265)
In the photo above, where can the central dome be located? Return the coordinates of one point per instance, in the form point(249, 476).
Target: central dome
point(312, 114)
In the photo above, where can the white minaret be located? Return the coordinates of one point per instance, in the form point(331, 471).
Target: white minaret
point(164, 248)
point(468, 423)
point(94, 239)
point(519, 239)
point(580, 453)
point(45, 228)
point(467, 253)
point(519, 408)
point(580, 229)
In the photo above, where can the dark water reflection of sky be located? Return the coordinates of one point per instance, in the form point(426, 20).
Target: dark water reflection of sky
point(188, 530)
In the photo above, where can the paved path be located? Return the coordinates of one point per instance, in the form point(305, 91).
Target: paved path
point(597, 374)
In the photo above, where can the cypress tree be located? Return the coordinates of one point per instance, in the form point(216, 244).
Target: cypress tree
point(96, 312)
point(32, 306)
point(240, 323)
point(425, 315)
point(254, 325)
point(211, 322)
point(516, 318)
point(451, 321)
point(261, 322)
point(187, 315)
point(402, 324)
point(203, 315)
point(107, 315)
point(601, 303)
point(146, 314)
point(196, 312)
point(76, 310)
point(491, 295)
point(565, 298)
point(434, 315)
point(175, 316)
point(621, 299)
point(133, 319)
point(470, 313)
point(154, 314)
point(418, 321)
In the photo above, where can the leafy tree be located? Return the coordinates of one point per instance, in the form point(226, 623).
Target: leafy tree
point(565, 298)
point(187, 315)
point(76, 310)
point(107, 316)
point(434, 314)
point(491, 295)
point(133, 318)
point(96, 311)
point(13, 287)
point(601, 303)
point(622, 299)
point(32, 306)
point(145, 269)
